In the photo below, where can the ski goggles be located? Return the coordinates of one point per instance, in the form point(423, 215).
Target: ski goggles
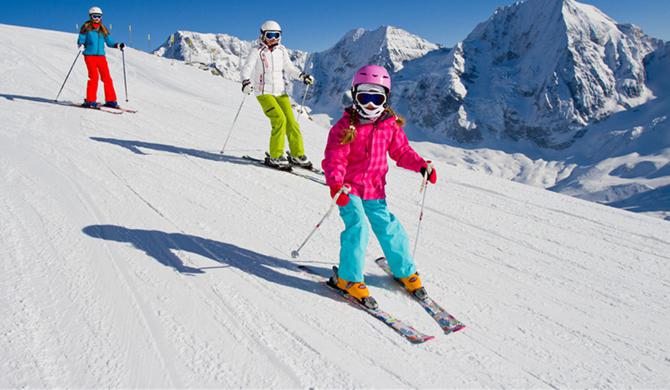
point(96, 16)
point(365, 98)
point(272, 34)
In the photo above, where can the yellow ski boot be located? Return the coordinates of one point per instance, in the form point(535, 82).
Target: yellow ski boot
point(414, 286)
point(358, 290)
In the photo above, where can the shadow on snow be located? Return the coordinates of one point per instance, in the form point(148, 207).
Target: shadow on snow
point(32, 99)
point(160, 246)
point(134, 146)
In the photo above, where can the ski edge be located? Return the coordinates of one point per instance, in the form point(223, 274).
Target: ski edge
point(439, 314)
point(405, 330)
point(128, 110)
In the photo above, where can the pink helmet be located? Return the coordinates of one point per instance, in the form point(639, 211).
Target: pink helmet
point(372, 74)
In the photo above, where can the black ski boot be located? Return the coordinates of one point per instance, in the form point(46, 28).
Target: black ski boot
point(300, 161)
point(280, 162)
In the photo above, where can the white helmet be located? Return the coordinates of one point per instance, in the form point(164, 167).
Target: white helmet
point(270, 25)
point(95, 10)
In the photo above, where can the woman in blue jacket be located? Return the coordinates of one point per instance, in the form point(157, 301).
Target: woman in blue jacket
point(93, 37)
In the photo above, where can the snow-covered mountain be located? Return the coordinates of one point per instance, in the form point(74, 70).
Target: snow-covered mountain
point(134, 255)
point(222, 50)
point(388, 46)
point(539, 70)
point(624, 160)
point(573, 99)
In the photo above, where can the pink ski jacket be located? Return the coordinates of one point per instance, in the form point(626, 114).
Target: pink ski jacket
point(363, 163)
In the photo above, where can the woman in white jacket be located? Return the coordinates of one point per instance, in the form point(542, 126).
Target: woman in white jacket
point(264, 72)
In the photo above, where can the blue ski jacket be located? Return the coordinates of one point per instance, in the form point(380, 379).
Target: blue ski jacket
point(94, 42)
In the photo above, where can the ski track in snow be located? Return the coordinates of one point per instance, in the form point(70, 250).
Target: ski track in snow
point(134, 255)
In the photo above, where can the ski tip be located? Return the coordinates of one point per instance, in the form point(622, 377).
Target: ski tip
point(453, 329)
point(421, 339)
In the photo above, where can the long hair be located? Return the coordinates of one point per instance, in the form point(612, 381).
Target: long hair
point(88, 26)
point(350, 132)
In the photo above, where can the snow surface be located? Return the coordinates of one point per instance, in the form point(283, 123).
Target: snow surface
point(134, 255)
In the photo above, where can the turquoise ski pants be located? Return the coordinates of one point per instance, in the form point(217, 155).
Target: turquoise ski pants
point(354, 239)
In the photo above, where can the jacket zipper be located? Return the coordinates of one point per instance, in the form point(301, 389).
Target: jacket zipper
point(273, 71)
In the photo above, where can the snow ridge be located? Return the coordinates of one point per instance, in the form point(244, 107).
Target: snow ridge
point(539, 70)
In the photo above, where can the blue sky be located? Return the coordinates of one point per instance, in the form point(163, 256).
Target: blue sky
point(308, 25)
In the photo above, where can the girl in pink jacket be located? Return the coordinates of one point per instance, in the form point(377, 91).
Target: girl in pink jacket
point(355, 157)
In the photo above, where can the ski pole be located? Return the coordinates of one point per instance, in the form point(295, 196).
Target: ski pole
point(424, 187)
point(302, 105)
point(304, 95)
point(125, 84)
point(345, 190)
point(232, 126)
point(68, 75)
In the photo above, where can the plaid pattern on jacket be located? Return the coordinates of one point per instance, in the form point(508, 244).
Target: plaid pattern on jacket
point(363, 163)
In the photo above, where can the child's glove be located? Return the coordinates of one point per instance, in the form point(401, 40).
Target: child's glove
point(432, 175)
point(307, 78)
point(247, 87)
point(343, 199)
point(121, 46)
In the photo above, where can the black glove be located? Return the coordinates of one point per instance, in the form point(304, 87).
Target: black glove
point(247, 87)
point(121, 46)
point(307, 78)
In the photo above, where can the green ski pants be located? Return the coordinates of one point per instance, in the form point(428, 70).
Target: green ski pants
point(280, 112)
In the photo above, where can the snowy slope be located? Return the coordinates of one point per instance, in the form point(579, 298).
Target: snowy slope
point(133, 255)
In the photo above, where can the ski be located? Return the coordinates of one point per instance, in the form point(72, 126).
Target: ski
point(288, 169)
point(312, 169)
point(447, 322)
point(128, 110)
point(99, 108)
point(402, 328)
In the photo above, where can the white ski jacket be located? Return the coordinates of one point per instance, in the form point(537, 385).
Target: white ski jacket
point(266, 68)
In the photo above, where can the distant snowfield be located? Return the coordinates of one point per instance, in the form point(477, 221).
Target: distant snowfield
point(134, 255)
